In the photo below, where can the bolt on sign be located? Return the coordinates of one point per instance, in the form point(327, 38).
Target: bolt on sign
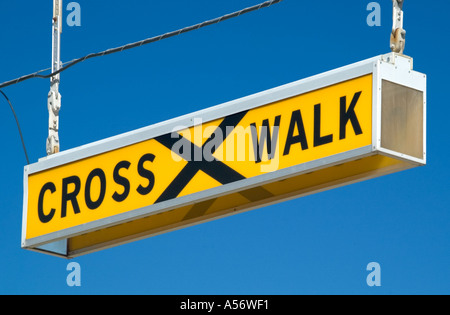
point(340, 127)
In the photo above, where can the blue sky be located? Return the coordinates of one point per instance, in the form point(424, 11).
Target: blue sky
point(320, 244)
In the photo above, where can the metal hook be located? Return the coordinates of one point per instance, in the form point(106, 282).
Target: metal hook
point(398, 35)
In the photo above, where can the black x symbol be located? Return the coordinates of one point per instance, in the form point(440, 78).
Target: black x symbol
point(208, 164)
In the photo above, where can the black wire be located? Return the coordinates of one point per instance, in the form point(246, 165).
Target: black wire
point(18, 126)
point(140, 43)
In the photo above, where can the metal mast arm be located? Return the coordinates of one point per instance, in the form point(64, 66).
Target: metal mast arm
point(54, 97)
point(398, 35)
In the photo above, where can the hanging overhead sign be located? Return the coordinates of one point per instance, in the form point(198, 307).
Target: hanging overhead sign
point(343, 126)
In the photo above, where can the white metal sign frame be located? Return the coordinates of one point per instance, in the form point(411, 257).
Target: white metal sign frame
point(391, 67)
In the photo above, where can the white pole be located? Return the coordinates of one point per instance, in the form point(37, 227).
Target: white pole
point(54, 97)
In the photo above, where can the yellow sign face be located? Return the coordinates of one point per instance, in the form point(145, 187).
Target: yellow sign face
point(250, 143)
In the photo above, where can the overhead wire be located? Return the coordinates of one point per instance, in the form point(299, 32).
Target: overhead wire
point(70, 64)
point(18, 126)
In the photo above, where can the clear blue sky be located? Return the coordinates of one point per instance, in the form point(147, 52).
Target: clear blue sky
point(320, 244)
